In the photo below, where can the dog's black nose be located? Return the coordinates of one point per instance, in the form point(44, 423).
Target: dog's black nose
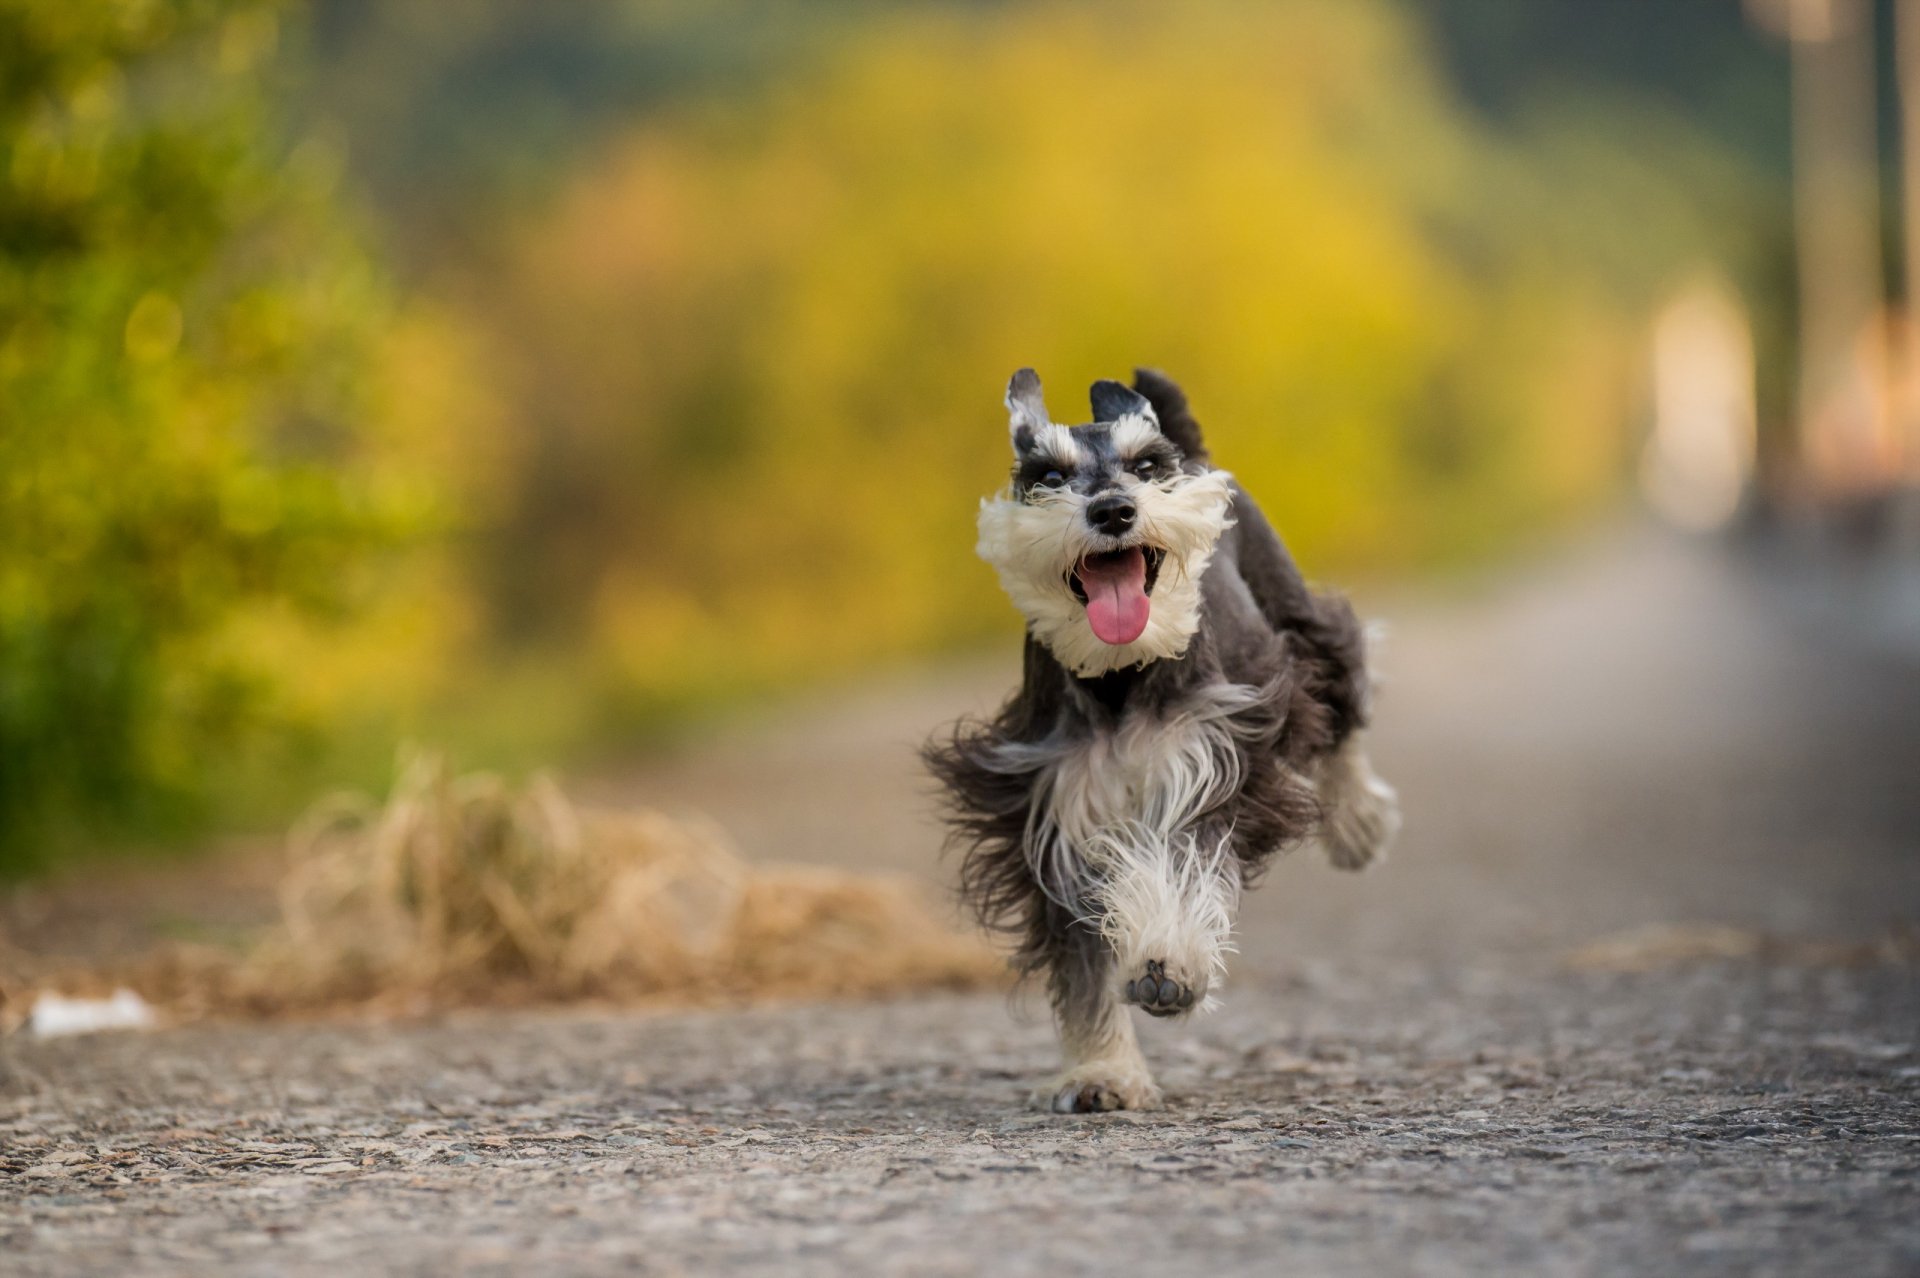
point(1111, 514)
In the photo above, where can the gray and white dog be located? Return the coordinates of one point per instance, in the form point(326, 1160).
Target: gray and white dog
point(1189, 709)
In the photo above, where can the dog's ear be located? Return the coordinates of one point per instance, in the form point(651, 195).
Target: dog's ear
point(1112, 401)
point(1026, 410)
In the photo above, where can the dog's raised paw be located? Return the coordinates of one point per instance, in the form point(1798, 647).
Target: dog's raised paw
point(1159, 994)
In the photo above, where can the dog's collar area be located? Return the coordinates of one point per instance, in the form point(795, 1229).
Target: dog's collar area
point(1152, 554)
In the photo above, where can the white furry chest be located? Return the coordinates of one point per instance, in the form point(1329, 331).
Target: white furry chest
point(1125, 831)
point(1149, 782)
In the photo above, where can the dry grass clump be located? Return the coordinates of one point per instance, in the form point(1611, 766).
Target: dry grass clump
point(461, 891)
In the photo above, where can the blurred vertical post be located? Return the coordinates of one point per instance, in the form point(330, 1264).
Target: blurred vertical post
point(1846, 443)
point(1907, 78)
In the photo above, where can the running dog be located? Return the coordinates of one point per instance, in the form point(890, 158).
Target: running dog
point(1189, 708)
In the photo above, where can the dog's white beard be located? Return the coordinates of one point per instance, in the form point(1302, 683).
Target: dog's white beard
point(1034, 544)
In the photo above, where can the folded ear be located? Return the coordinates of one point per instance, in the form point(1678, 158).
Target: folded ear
point(1026, 410)
point(1112, 401)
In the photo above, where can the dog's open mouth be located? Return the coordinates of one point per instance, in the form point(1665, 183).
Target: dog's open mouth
point(1115, 585)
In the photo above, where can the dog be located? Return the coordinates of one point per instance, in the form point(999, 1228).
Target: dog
point(1189, 708)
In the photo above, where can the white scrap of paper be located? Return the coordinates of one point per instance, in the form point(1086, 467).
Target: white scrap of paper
point(55, 1014)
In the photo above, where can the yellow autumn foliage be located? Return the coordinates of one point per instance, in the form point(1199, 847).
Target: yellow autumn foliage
point(763, 342)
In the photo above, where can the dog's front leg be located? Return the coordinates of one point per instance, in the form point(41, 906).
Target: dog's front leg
point(1168, 910)
point(1104, 1067)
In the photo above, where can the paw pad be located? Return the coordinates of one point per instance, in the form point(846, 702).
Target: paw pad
point(1159, 994)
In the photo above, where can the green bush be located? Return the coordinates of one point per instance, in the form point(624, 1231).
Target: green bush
point(185, 319)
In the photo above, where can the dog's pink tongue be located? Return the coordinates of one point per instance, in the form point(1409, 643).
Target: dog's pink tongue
point(1117, 603)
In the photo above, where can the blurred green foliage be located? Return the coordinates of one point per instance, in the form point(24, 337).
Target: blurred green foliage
point(184, 325)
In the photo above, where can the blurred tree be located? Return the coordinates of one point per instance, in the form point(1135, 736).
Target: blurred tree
point(185, 319)
point(458, 109)
point(1706, 60)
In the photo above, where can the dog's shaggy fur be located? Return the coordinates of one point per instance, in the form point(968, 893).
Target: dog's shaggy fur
point(1115, 808)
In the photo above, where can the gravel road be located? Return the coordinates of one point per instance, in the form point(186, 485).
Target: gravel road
point(1469, 1060)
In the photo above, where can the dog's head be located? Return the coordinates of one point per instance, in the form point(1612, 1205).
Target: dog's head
point(1102, 535)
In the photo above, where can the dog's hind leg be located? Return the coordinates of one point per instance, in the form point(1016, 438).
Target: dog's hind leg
point(1104, 1067)
point(1359, 813)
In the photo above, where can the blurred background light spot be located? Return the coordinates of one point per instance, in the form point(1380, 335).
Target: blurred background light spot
point(1699, 458)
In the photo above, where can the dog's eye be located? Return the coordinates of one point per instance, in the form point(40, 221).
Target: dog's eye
point(1052, 479)
point(1144, 467)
